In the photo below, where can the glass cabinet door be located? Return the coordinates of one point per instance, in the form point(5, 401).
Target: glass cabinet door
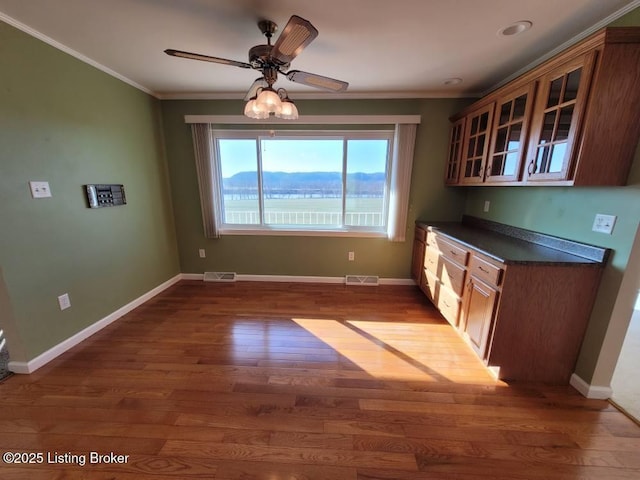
point(455, 152)
point(510, 127)
point(476, 144)
point(558, 113)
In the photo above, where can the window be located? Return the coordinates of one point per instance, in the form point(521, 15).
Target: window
point(303, 182)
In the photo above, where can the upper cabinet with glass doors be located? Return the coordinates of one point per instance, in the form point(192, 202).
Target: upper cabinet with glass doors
point(570, 121)
point(561, 103)
point(509, 135)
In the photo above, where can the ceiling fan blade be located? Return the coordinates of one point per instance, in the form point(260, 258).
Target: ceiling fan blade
point(253, 89)
point(206, 58)
point(317, 81)
point(297, 34)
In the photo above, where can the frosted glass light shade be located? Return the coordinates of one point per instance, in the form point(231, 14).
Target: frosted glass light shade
point(251, 110)
point(269, 101)
point(288, 111)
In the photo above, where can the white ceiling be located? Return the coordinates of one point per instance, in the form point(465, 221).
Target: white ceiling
point(383, 48)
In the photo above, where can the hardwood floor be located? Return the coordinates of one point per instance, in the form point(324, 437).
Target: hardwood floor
point(283, 381)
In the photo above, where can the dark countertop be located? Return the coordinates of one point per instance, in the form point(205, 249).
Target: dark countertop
point(513, 245)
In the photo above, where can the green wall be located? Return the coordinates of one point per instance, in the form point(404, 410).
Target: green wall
point(314, 256)
point(67, 123)
point(569, 212)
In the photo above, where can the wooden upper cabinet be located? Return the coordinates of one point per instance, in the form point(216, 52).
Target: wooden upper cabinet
point(559, 110)
point(509, 134)
point(572, 120)
point(455, 151)
point(476, 144)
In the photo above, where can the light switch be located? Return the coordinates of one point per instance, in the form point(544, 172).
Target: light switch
point(64, 301)
point(40, 189)
point(604, 223)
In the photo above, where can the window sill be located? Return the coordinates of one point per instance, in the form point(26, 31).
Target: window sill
point(289, 232)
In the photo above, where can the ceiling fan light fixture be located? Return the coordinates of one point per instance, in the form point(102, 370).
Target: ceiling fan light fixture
point(269, 101)
point(251, 110)
point(288, 111)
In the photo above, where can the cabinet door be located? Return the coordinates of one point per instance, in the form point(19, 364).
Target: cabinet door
point(455, 152)
point(508, 137)
point(477, 316)
point(556, 123)
point(476, 145)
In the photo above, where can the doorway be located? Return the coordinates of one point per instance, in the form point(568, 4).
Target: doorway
point(626, 380)
point(4, 357)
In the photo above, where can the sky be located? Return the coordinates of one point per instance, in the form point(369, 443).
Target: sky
point(302, 155)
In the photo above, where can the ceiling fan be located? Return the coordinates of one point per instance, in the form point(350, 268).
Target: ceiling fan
point(273, 59)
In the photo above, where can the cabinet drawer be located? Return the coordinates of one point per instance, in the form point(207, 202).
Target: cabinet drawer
point(420, 234)
point(431, 286)
point(449, 305)
point(431, 260)
point(454, 252)
point(452, 275)
point(485, 271)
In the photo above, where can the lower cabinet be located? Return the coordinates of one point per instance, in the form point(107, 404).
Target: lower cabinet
point(525, 320)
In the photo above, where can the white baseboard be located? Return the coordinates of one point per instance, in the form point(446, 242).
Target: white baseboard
point(590, 391)
point(242, 277)
point(44, 358)
point(192, 276)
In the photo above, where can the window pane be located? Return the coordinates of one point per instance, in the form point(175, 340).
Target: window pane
point(366, 180)
point(573, 82)
point(505, 113)
point(557, 157)
point(548, 126)
point(564, 125)
point(302, 181)
point(514, 137)
point(496, 165)
point(501, 139)
point(510, 164)
point(239, 167)
point(519, 107)
point(554, 92)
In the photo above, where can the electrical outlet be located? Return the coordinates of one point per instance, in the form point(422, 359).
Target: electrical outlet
point(352, 256)
point(64, 301)
point(604, 223)
point(40, 189)
point(202, 253)
point(487, 204)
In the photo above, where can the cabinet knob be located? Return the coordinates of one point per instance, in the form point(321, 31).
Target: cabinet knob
point(532, 167)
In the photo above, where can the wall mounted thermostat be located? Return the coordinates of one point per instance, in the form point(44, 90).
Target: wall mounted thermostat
point(105, 195)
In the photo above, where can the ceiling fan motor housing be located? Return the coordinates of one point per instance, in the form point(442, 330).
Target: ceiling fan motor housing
point(260, 57)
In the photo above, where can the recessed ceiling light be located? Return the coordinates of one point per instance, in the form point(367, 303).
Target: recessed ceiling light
point(515, 28)
point(452, 81)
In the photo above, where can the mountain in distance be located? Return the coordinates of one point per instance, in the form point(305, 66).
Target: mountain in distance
point(320, 183)
point(243, 179)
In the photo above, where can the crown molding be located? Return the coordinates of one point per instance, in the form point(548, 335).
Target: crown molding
point(323, 96)
point(70, 51)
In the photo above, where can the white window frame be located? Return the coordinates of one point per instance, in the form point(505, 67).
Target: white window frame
point(302, 230)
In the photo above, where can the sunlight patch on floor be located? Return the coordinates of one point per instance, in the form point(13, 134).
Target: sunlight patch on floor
point(410, 352)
